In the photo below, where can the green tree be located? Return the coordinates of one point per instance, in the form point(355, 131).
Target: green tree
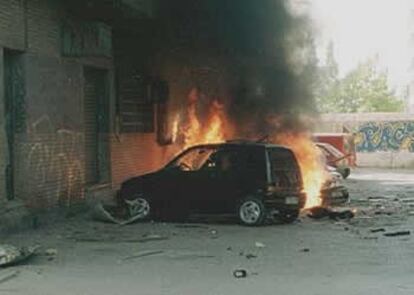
point(364, 89)
point(327, 81)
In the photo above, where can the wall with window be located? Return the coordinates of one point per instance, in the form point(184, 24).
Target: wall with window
point(46, 53)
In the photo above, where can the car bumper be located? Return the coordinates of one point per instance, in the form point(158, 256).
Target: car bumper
point(286, 201)
point(335, 196)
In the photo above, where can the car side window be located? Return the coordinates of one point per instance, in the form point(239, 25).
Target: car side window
point(193, 159)
point(221, 161)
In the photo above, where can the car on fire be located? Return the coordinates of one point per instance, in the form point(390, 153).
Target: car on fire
point(250, 179)
point(335, 158)
point(333, 191)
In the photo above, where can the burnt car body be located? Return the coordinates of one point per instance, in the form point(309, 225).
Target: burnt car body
point(245, 178)
point(335, 158)
point(334, 191)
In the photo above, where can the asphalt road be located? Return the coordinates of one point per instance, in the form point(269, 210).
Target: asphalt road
point(307, 257)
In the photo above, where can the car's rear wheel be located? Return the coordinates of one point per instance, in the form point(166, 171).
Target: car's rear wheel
point(252, 211)
point(139, 207)
point(288, 216)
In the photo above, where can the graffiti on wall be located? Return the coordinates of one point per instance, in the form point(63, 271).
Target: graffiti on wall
point(385, 136)
point(53, 165)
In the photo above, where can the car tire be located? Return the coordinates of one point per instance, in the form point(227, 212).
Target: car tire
point(288, 216)
point(140, 205)
point(251, 211)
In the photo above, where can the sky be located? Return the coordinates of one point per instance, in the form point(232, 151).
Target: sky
point(366, 28)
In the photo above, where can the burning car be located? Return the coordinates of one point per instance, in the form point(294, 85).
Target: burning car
point(334, 191)
point(246, 178)
point(335, 158)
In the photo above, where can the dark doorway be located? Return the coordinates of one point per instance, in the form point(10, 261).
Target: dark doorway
point(14, 95)
point(96, 119)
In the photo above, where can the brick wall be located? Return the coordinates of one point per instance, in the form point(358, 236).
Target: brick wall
point(49, 151)
point(134, 154)
point(12, 24)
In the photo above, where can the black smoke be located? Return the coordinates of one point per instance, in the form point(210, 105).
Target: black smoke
point(256, 57)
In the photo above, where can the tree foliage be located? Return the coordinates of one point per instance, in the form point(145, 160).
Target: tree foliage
point(364, 89)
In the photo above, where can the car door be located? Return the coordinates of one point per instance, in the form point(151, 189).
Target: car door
point(219, 176)
point(190, 180)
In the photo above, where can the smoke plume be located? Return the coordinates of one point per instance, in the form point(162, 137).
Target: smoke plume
point(254, 57)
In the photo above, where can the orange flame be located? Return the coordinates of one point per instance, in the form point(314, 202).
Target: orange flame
point(311, 165)
point(188, 130)
point(215, 129)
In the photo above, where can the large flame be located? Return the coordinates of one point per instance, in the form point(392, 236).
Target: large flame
point(311, 164)
point(188, 130)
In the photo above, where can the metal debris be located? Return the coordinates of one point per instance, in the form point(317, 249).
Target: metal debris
point(51, 252)
point(11, 255)
point(240, 273)
point(398, 233)
point(250, 256)
point(377, 230)
point(259, 245)
point(334, 214)
point(143, 254)
point(100, 213)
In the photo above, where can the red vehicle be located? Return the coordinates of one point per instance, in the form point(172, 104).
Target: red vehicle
point(343, 142)
point(335, 158)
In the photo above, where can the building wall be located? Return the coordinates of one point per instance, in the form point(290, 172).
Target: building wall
point(382, 139)
point(49, 148)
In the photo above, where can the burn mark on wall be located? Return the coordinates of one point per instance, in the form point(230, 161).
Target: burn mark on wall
point(385, 136)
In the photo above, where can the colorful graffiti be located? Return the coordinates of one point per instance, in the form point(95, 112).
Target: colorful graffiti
point(385, 136)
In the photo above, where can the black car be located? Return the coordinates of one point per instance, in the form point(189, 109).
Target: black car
point(249, 179)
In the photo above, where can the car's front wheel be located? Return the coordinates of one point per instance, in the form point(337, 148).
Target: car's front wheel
point(251, 211)
point(139, 207)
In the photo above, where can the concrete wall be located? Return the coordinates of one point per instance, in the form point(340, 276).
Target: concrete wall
point(382, 139)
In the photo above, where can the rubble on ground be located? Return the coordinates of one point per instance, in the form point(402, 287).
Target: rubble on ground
point(12, 255)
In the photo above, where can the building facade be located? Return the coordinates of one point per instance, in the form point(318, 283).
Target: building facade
point(75, 114)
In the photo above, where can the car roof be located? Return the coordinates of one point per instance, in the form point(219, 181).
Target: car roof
point(241, 143)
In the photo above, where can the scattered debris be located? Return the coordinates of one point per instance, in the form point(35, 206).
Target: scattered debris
point(51, 252)
point(11, 255)
point(143, 254)
point(8, 276)
point(106, 213)
point(150, 238)
point(191, 256)
point(240, 273)
point(377, 230)
point(250, 256)
point(305, 250)
point(398, 233)
point(213, 232)
point(322, 212)
point(370, 238)
point(383, 213)
point(259, 245)
point(229, 249)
